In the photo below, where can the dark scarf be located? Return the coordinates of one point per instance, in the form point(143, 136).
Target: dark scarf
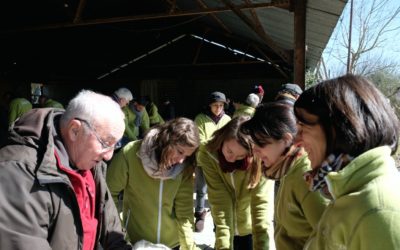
point(228, 167)
point(213, 117)
point(316, 178)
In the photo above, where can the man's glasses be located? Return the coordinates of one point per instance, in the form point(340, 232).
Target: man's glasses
point(105, 147)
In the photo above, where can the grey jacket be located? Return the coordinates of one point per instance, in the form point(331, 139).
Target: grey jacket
point(38, 207)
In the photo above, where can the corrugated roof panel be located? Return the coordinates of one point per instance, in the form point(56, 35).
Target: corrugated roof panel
point(322, 17)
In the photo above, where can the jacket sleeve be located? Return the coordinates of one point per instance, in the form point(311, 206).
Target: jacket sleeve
point(12, 113)
point(131, 131)
point(145, 125)
point(202, 132)
point(117, 175)
point(25, 209)
point(313, 204)
point(221, 202)
point(184, 210)
point(262, 213)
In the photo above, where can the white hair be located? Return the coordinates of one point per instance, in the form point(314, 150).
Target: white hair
point(92, 107)
point(124, 93)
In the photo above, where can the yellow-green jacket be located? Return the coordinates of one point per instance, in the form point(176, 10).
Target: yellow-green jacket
point(365, 210)
point(50, 103)
point(297, 210)
point(207, 126)
point(131, 130)
point(244, 110)
point(18, 107)
point(161, 211)
point(154, 116)
point(237, 210)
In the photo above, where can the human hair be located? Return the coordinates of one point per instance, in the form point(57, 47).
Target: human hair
point(271, 121)
point(353, 113)
point(93, 107)
point(232, 131)
point(179, 131)
point(124, 93)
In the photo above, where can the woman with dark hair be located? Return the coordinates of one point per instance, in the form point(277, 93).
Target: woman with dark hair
point(297, 210)
point(350, 131)
point(156, 175)
point(242, 202)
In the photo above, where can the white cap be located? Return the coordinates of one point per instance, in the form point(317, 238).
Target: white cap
point(252, 100)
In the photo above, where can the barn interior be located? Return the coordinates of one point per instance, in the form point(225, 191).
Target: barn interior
point(178, 49)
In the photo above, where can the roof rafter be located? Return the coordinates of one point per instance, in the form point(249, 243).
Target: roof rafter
point(280, 4)
point(259, 30)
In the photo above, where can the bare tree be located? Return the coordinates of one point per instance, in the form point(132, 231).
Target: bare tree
point(374, 23)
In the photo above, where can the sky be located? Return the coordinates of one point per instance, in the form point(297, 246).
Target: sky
point(390, 48)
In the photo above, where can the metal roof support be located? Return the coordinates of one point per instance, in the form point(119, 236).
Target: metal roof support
point(299, 42)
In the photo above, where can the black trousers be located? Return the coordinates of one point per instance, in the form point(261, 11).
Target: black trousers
point(243, 242)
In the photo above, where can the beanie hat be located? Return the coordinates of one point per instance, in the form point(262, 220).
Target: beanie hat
point(124, 93)
point(258, 89)
point(291, 88)
point(252, 100)
point(216, 97)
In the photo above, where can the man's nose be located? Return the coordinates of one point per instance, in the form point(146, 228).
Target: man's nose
point(108, 155)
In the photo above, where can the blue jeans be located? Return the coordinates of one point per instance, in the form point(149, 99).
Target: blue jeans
point(201, 190)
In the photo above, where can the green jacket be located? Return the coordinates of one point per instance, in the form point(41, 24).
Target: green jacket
point(50, 103)
point(160, 211)
point(131, 131)
point(207, 126)
point(237, 210)
point(18, 107)
point(145, 123)
point(365, 210)
point(244, 110)
point(297, 210)
point(154, 116)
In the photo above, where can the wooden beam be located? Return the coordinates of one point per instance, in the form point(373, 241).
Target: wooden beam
point(273, 64)
point(220, 23)
point(260, 32)
point(299, 42)
point(280, 4)
point(79, 11)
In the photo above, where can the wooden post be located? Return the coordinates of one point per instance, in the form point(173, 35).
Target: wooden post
point(299, 42)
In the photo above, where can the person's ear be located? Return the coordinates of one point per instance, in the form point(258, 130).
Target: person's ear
point(74, 127)
point(288, 139)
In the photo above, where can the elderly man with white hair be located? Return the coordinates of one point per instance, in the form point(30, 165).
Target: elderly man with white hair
point(52, 188)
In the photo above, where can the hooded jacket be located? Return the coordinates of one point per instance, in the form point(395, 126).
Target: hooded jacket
point(39, 209)
point(237, 210)
point(365, 210)
point(159, 210)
